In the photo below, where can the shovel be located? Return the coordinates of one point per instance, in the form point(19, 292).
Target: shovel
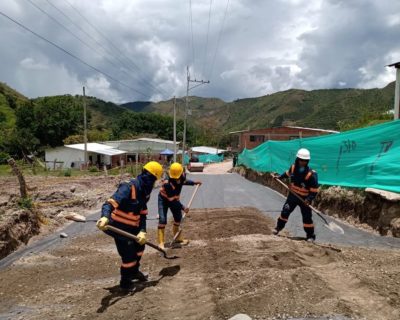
point(79, 218)
point(330, 225)
point(184, 215)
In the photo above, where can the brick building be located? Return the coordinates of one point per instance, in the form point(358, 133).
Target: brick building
point(250, 139)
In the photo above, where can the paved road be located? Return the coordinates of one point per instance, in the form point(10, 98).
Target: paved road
point(228, 190)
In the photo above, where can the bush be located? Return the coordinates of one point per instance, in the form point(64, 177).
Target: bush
point(93, 169)
point(67, 172)
point(25, 203)
point(4, 156)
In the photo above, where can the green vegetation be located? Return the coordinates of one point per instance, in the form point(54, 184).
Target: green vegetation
point(30, 126)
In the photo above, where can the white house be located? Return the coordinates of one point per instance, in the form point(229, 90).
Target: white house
point(73, 155)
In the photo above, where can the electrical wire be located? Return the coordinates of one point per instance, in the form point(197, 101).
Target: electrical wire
point(71, 54)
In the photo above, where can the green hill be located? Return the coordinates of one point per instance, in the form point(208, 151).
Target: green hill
point(327, 109)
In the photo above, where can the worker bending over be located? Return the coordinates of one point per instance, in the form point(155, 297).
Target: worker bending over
point(127, 210)
point(169, 198)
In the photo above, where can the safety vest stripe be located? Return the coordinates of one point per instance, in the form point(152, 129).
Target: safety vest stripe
point(292, 169)
point(314, 189)
point(177, 224)
point(129, 215)
point(161, 226)
point(144, 211)
point(164, 194)
point(133, 192)
point(125, 221)
point(309, 174)
point(113, 203)
point(301, 191)
point(308, 225)
point(140, 254)
point(129, 264)
point(282, 218)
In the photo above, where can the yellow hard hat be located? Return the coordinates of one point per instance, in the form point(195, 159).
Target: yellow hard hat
point(154, 168)
point(175, 170)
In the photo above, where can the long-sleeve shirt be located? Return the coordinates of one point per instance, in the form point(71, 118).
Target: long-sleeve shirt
point(127, 208)
point(171, 191)
point(304, 183)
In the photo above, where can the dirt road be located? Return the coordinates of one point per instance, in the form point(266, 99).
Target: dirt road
point(232, 265)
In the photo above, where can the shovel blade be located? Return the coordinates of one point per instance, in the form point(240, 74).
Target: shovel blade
point(334, 227)
point(75, 217)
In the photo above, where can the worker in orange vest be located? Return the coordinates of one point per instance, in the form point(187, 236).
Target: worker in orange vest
point(169, 198)
point(304, 182)
point(127, 210)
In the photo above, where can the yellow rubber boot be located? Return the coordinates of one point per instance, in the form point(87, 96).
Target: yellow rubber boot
point(182, 241)
point(161, 238)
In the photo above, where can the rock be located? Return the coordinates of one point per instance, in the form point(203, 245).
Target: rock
point(240, 316)
point(63, 235)
point(72, 189)
point(395, 226)
point(391, 196)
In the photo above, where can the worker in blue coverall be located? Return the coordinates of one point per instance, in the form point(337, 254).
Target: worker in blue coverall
point(169, 198)
point(127, 210)
point(304, 182)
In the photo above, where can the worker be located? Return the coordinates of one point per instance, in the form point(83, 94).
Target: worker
point(303, 182)
point(127, 210)
point(169, 198)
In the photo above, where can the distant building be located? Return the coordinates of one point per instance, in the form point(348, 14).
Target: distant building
point(73, 156)
point(250, 139)
point(143, 149)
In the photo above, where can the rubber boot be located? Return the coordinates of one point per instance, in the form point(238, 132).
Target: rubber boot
point(126, 279)
point(182, 241)
point(161, 238)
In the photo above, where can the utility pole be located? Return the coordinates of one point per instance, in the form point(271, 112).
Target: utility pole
point(197, 84)
point(174, 129)
point(85, 128)
point(397, 90)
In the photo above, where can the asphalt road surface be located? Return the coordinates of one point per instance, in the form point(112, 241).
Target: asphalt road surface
point(224, 191)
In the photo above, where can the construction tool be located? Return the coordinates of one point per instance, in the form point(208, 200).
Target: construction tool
point(184, 215)
point(330, 225)
point(79, 218)
point(133, 237)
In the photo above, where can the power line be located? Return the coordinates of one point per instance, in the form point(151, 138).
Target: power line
point(219, 39)
point(71, 54)
point(106, 50)
point(191, 31)
point(208, 31)
point(76, 37)
point(115, 47)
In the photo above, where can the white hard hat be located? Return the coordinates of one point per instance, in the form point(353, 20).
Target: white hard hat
point(303, 154)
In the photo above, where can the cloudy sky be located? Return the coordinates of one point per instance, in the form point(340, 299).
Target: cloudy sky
point(254, 47)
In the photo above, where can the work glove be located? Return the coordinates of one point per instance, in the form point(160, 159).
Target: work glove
point(198, 182)
point(102, 223)
point(141, 238)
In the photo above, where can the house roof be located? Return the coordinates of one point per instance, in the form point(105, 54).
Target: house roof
point(146, 139)
point(208, 150)
point(96, 148)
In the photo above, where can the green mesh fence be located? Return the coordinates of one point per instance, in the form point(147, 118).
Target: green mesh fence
point(209, 158)
point(367, 157)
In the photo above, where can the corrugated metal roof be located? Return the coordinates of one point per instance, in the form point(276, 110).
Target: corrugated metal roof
point(208, 150)
point(96, 148)
point(145, 139)
point(313, 129)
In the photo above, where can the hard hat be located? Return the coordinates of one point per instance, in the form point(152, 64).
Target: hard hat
point(175, 171)
point(303, 154)
point(154, 168)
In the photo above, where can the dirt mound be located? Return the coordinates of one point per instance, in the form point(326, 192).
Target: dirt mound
point(16, 229)
point(232, 265)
